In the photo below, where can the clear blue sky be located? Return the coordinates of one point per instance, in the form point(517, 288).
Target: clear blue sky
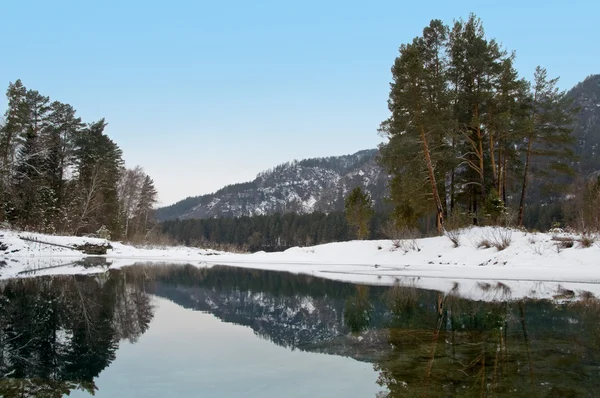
point(203, 94)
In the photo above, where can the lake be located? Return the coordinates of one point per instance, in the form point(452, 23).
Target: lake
point(181, 331)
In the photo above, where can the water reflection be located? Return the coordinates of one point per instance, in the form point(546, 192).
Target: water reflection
point(57, 334)
point(447, 346)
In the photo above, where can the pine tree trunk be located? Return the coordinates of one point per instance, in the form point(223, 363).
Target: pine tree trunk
point(493, 160)
point(525, 178)
point(452, 184)
point(504, 172)
point(480, 154)
point(495, 168)
point(436, 197)
point(452, 192)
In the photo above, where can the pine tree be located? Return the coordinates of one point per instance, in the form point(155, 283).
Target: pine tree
point(64, 127)
point(506, 125)
point(15, 119)
point(98, 163)
point(419, 123)
point(475, 64)
point(359, 211)
point(32, 200)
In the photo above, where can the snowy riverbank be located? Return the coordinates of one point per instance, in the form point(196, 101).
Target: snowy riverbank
point(534, 264)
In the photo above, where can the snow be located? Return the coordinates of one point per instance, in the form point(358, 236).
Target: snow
point(532, 265)
point(309, 204)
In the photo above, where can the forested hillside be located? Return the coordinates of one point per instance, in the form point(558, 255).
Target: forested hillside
point(306, 186)
point(586, 95)
point(61, 175)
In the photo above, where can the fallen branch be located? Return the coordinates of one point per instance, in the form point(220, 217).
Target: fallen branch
point(86, 248)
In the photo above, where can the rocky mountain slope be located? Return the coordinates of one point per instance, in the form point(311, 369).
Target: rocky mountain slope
point(305, 186)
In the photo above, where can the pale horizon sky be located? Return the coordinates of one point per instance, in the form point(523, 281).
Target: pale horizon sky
point(204, 94)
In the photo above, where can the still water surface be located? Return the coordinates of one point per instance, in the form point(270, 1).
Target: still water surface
point(179, 331)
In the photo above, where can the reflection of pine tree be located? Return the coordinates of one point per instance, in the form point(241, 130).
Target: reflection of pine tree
point(58, 334)
point(458, 347)
point(357, 313)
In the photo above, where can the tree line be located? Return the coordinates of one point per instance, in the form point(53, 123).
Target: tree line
point(61, 175)
point(466, 134)
point(270, 232)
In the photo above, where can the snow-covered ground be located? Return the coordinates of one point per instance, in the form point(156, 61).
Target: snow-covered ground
point(534, 264)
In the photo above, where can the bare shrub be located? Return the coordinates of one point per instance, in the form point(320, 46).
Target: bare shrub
point(499, 290)
point(484, 243)
point(454, 224)
point(504, 290)
point(538, 249)
point(586, 295)
point(501, 238)
point(406, 245)
point(403, 238)
point(586, 240)
point(454, 236)
point(563, 293)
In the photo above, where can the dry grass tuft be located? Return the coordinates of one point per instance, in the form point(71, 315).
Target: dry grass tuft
point(587, 240)
point(454, 236)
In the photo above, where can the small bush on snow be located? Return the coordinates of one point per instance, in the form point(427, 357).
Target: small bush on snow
point(404, 239)
point(484, 243)
point(500, 238)
point(586, 240)
point(406, 245)
point(454, 236)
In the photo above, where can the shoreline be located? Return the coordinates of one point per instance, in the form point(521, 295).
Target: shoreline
point(529, 261)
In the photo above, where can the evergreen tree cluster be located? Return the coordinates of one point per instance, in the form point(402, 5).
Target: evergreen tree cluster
point(466, 134)
point(59, 174)
point(269, 233)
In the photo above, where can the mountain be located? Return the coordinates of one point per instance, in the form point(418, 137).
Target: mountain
point(586, 95)
point(306, 186)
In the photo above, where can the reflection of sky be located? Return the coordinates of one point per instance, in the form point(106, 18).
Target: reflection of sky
point(192, 354)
